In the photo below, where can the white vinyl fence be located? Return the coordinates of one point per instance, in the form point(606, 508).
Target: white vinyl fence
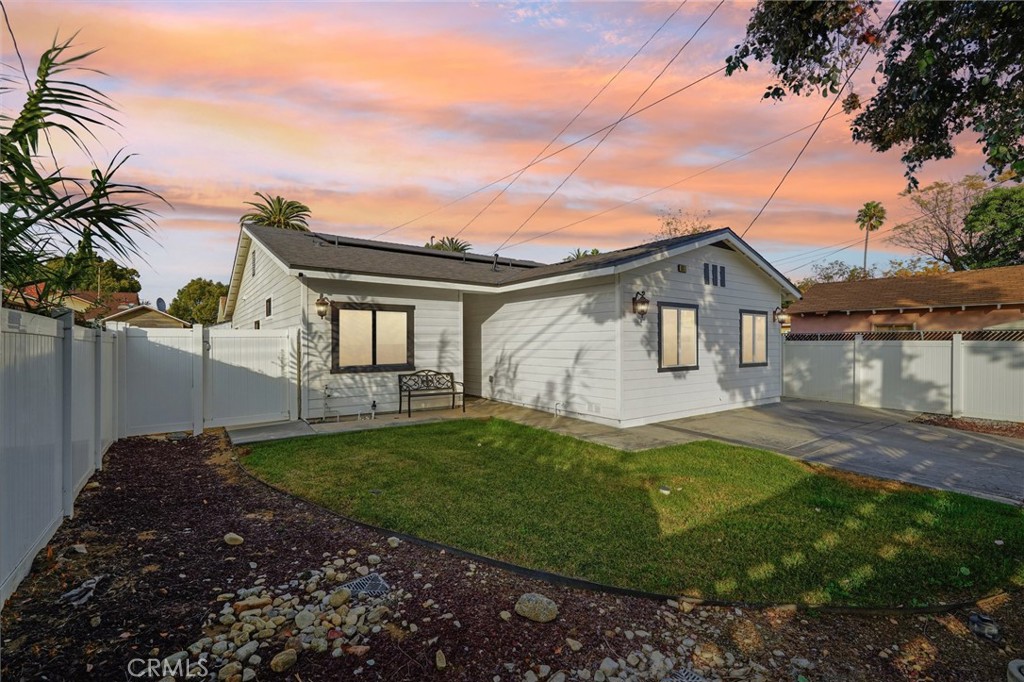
point(968, 374)
point(58, 415)
point(67, 393)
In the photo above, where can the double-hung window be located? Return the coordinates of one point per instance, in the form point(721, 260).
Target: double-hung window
point(677, 336)
point(753, 338)
point(371, 338)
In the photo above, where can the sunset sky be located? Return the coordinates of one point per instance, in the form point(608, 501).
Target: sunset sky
point(374, 114)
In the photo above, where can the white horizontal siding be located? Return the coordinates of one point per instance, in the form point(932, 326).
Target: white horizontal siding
point(545, 348)
point(719, 383)
point(437, 345)
point(270, 281)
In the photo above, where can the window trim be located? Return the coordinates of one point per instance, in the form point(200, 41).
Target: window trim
point(696, 337)
point(410, 319)
point(761, 313)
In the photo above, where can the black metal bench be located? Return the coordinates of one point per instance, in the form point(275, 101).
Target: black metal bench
point(427, 382)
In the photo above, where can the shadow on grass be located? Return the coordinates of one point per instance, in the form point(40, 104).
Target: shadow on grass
point(736, 524)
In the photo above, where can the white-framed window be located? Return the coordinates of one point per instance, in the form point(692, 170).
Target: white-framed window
point(677, 337)
point(753, 338)
point(371, 338)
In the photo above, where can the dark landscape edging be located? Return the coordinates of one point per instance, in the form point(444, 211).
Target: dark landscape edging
point(579, 583)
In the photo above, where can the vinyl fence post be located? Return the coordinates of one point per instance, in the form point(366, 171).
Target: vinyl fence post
point(97, 401)
point(121, 340)
point(67, 319)
point(198, 360)
point(858, 342)
point(956, 384)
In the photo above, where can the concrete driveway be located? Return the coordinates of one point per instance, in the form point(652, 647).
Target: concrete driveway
point(880, 443)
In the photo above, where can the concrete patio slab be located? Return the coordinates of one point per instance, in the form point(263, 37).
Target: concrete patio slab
point(242, 435)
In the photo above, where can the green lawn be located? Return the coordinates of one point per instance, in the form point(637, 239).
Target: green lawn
point(739, 524)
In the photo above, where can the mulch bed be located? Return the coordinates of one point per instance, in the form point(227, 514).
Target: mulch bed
point(990, 426)
point(155, 523)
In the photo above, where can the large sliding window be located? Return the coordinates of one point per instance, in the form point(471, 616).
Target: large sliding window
point(753, 338)
point(371, 338)
point(677, 336)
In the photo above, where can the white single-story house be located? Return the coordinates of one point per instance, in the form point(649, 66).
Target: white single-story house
point(568, 338)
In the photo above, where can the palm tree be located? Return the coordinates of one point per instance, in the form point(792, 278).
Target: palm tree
point(277, 212)
point(576, 254)
point(449, 244)
point(870, 217)
point(46, 213)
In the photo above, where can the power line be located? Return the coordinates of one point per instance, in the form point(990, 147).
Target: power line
point(544, 158)
point(579, 113)
point(669, 186)
point(612, 128)
point(814, 132)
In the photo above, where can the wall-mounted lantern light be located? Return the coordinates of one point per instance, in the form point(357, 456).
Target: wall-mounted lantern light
point(781, 316)
point(640, 304)
point(323, 306)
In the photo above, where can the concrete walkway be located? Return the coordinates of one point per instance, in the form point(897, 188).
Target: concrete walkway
point(883, 443)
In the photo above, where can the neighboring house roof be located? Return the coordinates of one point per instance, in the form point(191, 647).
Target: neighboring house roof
point(323, 255)
point(992, 286)
point(109, 302)
point(131, 313)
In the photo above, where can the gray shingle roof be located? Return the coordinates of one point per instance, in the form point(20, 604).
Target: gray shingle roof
point(333, 253)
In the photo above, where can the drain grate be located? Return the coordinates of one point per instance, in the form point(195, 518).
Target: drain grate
point(684, 675)
point(371, 584)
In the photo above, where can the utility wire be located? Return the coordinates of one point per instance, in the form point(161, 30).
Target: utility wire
point(566, 127)
point(549, 155)
point(669, 186)
point(814, 132)
point(612, 128)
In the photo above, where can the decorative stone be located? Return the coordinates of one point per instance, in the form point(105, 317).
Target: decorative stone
point(536, 607)
point(505, 615)
point(284, 660)
point(233, 539)
point(575, 645)
point(440, 660)
point(373, 559)
point(303, 619)
point(246, 650)
point(339, 598)
point(393, 542)
point(231, 669)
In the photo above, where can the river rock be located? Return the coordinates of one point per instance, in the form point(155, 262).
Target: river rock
point(536, 607)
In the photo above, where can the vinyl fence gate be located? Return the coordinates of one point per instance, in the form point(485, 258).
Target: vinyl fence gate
point(188, 379)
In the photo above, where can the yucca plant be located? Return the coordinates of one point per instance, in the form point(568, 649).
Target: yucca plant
point(277, 212)
point(46, 212)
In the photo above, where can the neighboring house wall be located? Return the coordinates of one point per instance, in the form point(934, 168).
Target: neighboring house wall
point(948, 319)
point(270, 281)
point(547, 347)
point(437, 345)
point(720, 383)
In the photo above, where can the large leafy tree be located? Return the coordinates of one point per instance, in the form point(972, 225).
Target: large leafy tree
point(277, 212)
point(942, 68)
point(449, 244)
point(939, 233)
point(45, 211)
point(197, 301)
point(997, 223)
point(870, 218)
point(94, 273)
